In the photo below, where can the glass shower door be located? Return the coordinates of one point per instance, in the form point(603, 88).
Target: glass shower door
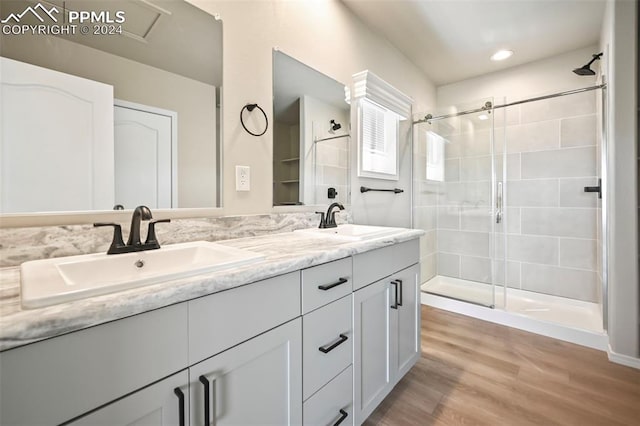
point(457, 202)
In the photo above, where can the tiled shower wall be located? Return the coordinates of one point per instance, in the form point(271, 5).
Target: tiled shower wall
point(552, 238)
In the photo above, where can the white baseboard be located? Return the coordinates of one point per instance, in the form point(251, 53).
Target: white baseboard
point(627, 360)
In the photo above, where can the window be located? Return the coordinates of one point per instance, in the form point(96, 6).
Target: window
point(379, 140)
point(380, 108)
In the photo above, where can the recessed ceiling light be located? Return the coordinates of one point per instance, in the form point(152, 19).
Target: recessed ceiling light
point(483, 117)
point(501, 55)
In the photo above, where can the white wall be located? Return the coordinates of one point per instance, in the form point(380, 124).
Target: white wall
point(619, 39)
point(323, 34)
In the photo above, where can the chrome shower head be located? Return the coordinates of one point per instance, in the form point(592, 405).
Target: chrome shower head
point(586, 69)
point(334, 126)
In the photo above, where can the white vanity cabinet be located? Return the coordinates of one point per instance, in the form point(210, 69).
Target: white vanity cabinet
point(386, 324)
point(318, 346)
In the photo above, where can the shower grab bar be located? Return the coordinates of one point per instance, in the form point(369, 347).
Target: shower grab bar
point(499, 203)
point(394, 190)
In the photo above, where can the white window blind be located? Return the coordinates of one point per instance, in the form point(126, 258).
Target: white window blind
point(380, 107)
point(379, 140)
point(373, 127)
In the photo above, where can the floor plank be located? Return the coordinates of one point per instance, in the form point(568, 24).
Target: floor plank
point(473, 372)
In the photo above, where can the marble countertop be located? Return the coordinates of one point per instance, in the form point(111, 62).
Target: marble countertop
point(285, 252)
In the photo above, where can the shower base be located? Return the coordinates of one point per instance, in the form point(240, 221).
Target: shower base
point(558, 317)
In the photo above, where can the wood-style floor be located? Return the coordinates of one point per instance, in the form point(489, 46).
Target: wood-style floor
point(475, 372)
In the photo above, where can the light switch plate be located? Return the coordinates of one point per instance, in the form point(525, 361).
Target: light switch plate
point(243, 178)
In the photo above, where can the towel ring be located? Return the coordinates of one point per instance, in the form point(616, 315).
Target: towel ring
point(251, 107)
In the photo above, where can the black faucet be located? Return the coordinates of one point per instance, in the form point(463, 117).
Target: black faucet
point(140, 213)
point(329, 220)
point(133, 243)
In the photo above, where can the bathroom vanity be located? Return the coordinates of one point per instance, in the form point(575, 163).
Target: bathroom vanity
point(317, 333)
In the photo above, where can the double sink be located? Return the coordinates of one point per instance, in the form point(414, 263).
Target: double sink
point(52, 281)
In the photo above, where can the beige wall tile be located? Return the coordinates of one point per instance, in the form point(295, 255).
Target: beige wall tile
point(540, 136)
point(560, 222)
point(571, 162)
point(564, 282)
point(448, 264)
point(578, 253)
point(578, 131)
point(572, 192)
point(532, 193)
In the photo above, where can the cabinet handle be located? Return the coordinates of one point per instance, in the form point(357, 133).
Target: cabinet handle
point(330, 286)
point(399, 298)
point(328, 348)
point(180, 396)
point(343, 415)
point(395, 300)
point(207, 414)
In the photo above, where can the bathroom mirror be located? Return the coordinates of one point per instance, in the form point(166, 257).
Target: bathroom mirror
point(310, 135)
point(122, 110)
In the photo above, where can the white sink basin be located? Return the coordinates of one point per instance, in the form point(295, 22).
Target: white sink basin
point(50, 281)
point(351, 232)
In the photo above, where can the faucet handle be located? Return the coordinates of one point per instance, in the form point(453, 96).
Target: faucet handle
point(151, 233)
point(117, 241)
point(323, 224)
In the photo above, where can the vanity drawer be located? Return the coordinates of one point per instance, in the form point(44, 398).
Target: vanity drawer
point(329, 328)
point(331, 403)
point(377, 264)
point(325, 283)
point(222, 320)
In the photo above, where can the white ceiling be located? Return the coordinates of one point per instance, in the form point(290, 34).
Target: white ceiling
point(452, 40)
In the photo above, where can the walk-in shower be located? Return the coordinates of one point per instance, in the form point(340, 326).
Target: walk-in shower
point(504, 192)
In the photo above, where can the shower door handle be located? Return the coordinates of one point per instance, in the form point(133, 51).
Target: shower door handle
point(499, 203)
point(597, 189)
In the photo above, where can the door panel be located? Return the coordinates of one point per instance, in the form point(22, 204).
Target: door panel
point(156, 405)
point(407, 326)
point(371, 347)
point(258, 382)
point(143, 158)
point(56, 144)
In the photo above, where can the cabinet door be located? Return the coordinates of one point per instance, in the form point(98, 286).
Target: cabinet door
point(258, 382)
point(405, 322)
point(372, 372)
point(164, 403)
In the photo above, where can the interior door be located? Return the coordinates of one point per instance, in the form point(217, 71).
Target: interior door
point(144, 155)
point(56, 141)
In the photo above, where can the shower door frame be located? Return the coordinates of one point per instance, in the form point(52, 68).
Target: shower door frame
point(604, 227)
